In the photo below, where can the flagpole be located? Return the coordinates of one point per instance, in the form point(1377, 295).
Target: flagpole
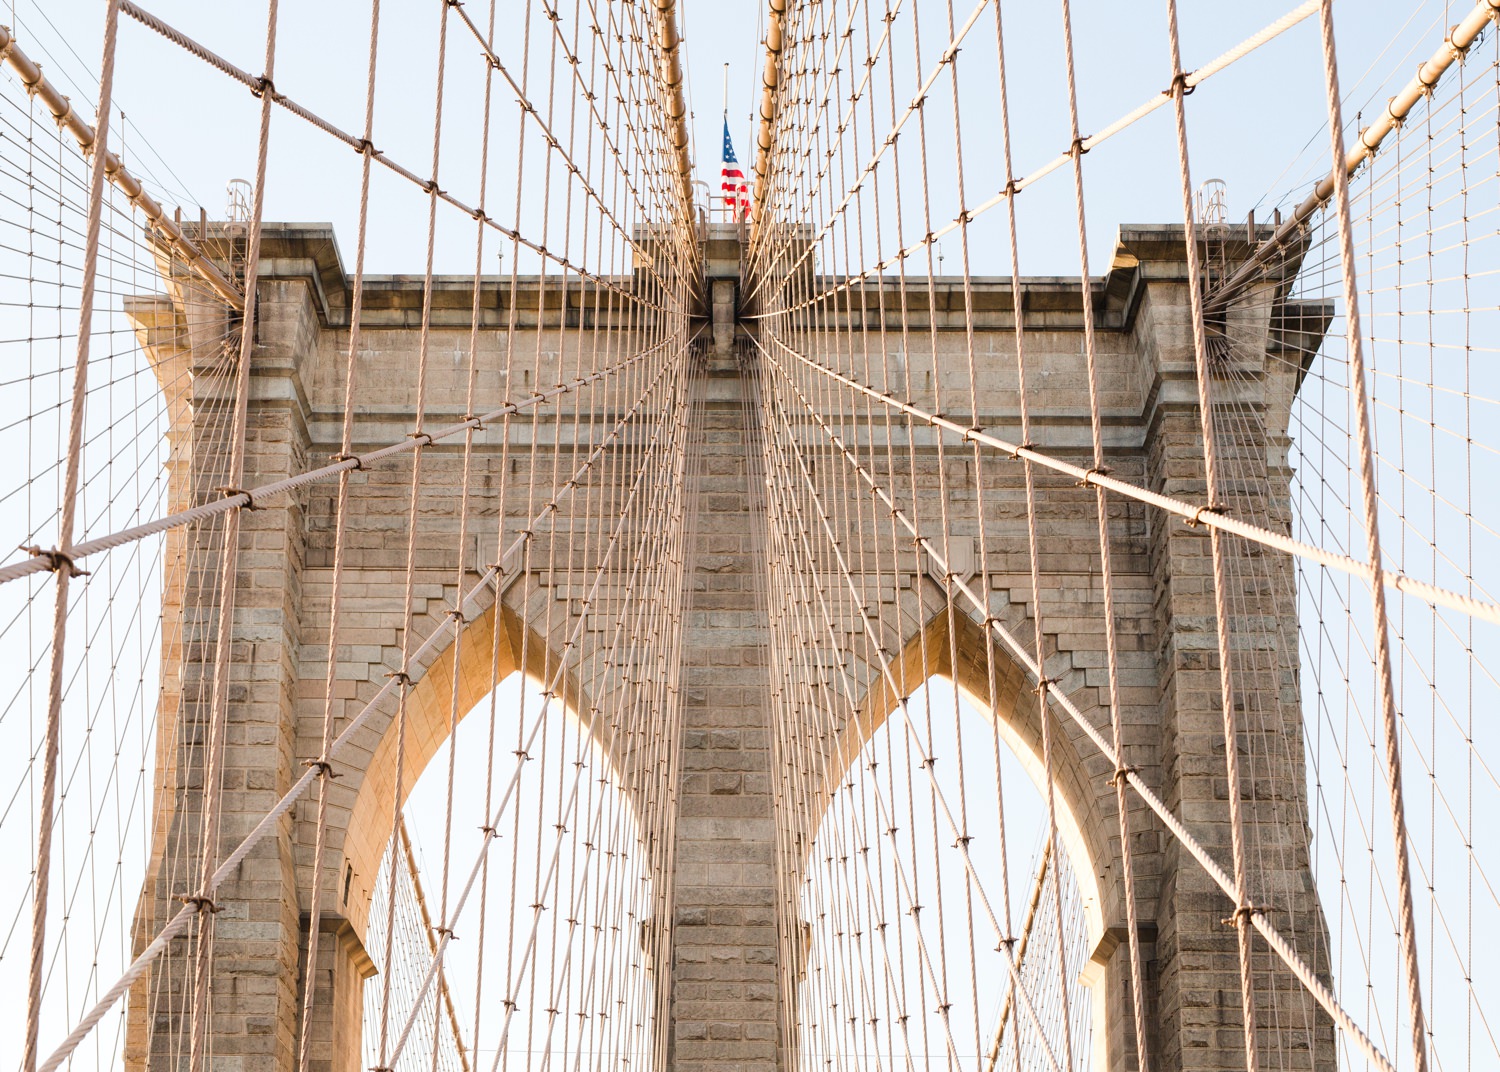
point(728, 212)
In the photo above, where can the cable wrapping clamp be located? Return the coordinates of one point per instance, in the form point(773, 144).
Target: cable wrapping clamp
point(1197, 518)
point(1246, 912)
point(324, 767)
point(1180, 81)
point(62, 118)
point(1015, 452)
point(1042, 684)
point(228, 491)
point(473, 419)
point(1122, 771)
point(366, 147)
point(1093, 471)
point(359, 463)
point(263, 84)
point(458, 616)
point(56, 559)
point(1459, 54)
point(1428, 87)
point(201, 902)
point(401, 677)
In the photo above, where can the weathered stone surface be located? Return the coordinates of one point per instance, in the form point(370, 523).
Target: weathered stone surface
point(731, 905)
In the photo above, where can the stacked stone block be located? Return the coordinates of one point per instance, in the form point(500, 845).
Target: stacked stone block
point(722, 1003)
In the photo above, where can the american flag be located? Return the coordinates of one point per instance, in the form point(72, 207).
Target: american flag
point(732, 181)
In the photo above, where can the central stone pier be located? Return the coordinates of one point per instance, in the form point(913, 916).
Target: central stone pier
point(725, 994)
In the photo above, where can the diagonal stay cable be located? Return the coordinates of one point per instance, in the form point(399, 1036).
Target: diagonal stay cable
point(1454, 49)
point(551, 692)
point(915, 105)
point(259, 86)
point(1159, 100)
point(276, 489)
point(36, 83)
point(1193, 515)
point(528, 108)
point(1274, 938)
point(855, 94)
point(179, 922)
point(922, 745)
point(60, 561)
point(882, 809)
point(992, 1056)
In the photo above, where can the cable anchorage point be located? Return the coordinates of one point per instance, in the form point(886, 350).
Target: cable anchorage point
point(1180, 81)
point(229, 492)
point(56, 559)
point(324, 767)
point(1246, 912)
point(1092, 471)
point(1197, 518)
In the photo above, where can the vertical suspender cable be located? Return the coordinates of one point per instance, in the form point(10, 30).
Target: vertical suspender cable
point(62, 565)
point(1364, 444)
point(340, 540)
point(1101, 507)
point(1244, 910)
point(228, 576)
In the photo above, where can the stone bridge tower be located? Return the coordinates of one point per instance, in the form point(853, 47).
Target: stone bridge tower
point(719, 981)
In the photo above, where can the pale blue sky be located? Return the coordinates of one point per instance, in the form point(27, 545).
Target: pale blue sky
point(1257, 125)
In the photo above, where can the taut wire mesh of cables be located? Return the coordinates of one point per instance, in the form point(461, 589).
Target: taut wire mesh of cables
point(886, 445)
point(575, 162)
point(950, 503)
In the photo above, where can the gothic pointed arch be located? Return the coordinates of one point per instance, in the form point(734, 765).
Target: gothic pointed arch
point(952, 646)
point(495, 644)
